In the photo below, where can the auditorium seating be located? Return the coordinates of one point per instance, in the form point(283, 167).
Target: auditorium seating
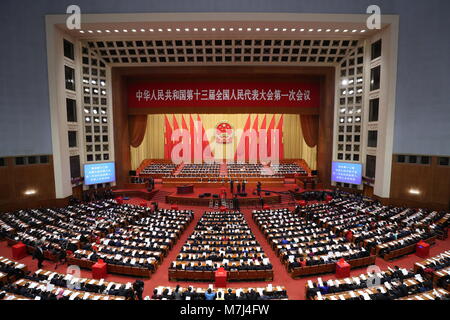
point(304, 247)
point(221, 239)
point(199, 170)
point(192, 293)
point(436, 268)
point(287, 169)
point(11, 270)
point(163, 169)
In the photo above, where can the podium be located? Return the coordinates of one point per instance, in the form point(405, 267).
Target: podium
point(422, 249)
point(342, 269)
point(174, 207)
point(19, 251)
point(99, 270)
point(221, 278)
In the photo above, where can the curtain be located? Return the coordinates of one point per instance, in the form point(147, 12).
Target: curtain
point(137, 125)
point(310, 129)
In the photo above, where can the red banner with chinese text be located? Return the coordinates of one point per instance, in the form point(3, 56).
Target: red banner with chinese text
point(224, 94)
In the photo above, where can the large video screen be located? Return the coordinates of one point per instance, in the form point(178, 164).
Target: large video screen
point(346, 172)
point(99, 173)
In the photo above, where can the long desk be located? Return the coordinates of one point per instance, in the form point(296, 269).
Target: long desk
point(429, 295)
point(403, 251)
point(185, 189)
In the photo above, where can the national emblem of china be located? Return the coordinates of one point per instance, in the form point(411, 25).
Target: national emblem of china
point(224, 133)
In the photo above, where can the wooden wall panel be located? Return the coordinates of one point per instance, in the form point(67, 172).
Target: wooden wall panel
point(433, 182)
point(17, 179)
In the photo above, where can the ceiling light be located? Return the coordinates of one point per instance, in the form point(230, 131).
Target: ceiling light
point(107, 31)
point(213, 29)
point(195, 29)
point(328, 30)
point(177, 29)
point(222, 29)
point(354, 31)
point(337, 30)
point(319, 30)
point(81, 31)
point(275, 29)
point(293, 29)
point(204, 29)
point(30, 192)
point(345, 30)
point(344, 82)
point(414, 191)
point(240, 29)
point(284, 29)
point(125, 30)
point(362, 31)
point(311, 30)
point(186, 29)
point(90, 31)
point(231, 29)
point(249, 29)
point(119, 31)
point(160, 30)
point(133, 30)
point(302, 29)
point(266, 29)
point(142, 30)
point(169, 30)
point(360, 90)
point(257, 29)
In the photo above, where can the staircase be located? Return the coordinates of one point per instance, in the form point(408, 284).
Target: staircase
point(160, 196)
point(223, 170)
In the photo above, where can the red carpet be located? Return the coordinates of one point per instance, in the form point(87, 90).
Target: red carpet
point(295, 288)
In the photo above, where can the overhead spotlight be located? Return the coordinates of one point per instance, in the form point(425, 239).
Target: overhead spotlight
point(125, 30)
point(151, 30)
point(81, 31)
point(222, 29)
point(231, 29)
point(195, 29)
point(213, 29)
point(275, 29)
point(117, 31)
point(351, 92)
point(258, 29)
point(319, 30)
point(362, 31)
point(293, 29)
point(107, 31)
point(337, 30)
point(266, 29)
point(142, 30)
point(90, 31)
point(360, 90)
point(29, 192)
point(350, 81)
point(345, 30)
point(249, 29)
point(169, 30)
point(328, 30)
point(284, 29)
point(99, 31)
point(133, 30)
point(354, 31)
point(302, 29)
point(160, 30)
point(177, 29)
point(414, 191)
point(186, 29)
point(344, 82)
point(311, 30)
point(205, 29)
point(240, 29)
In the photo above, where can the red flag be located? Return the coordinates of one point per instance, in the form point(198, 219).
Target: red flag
point(205, 145)
point(243, 140)
point(168, 139)
point(269, 138)
point(175, 128)
point(255, 128)
point(280, 138)
point(192, 132)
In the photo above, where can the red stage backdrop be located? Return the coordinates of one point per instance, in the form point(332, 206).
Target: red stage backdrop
point(226, 94)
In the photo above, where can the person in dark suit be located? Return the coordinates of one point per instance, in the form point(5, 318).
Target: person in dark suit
point(258, 188)
point(236, 203)
point(231, 186)
point(230, 295)
point(138, 287)
point(243, 186)
point(261, 201)
point(239, 188)
point(38, 254)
